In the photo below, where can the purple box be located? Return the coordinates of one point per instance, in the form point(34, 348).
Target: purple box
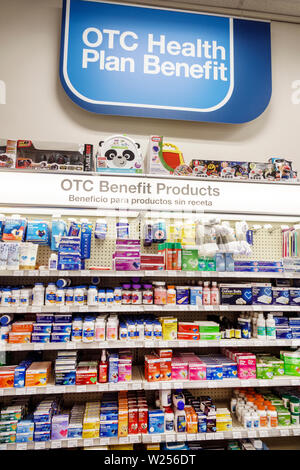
point(128, 243)
point(59, 426)
point(126, 254)
point(131, 264)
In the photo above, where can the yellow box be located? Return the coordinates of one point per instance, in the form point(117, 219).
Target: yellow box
point(89, 434)
point(123, 422)
point(38, 374)
point(169, 328)
point(121, 447)
point(223, 425)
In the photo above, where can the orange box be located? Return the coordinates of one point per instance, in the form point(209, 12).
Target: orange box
point(152, 368)
point(7, 374)
point(191, 420)
point(123, 422)
point(18, 337)
point(22, 327)
point(38, 374)
point(166, 368)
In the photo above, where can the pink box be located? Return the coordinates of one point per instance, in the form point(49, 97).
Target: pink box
point(179, 369)
point(125, 369)
point(129, 264)
point(246, 366)
point(126, 254)
point(197, 369)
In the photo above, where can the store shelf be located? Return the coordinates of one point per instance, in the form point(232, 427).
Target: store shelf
point(149, 308)
point(237, 432)
point(138, 383)
point(147, 274)
point(136, 344)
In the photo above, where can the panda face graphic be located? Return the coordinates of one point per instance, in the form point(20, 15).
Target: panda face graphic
point(119, 158)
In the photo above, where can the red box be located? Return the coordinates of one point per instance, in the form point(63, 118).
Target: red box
point(143, 419)
point(133, 423)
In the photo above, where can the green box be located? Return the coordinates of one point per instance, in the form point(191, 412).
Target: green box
point(189, 259)
point(210, 336)
point(8, 426)
point(210, 264)
point(284, 416)
point(264, 370)
point(7, 437)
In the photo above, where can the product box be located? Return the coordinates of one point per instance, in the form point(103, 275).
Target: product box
point(281, 295)
point(169, 328)
point(54, 156)
point(20, 373)
point(182, 295)
point(40, 338)
point(45, 328)
point(262, 293)
point(8, 426)
point(119, 154)
point(156, 421)
point(24, 437)
point(38, 374)
point(7, 374)
point(189, 259)
point(187, 327)
point(208, 326)
point(14, 229)
point(294, 296)
point(7, 437)
point(8, 150)
point(20, 338)
point(179, 369)
point(236, 294)
point(86, 373)
point(59, 426)
point(206, 168)
point(166, 368)
point(131, 264)
point(22, 327)
point(188, 336)
point(234, 170)
point(196, 295)
point(197, 369)
point(260, 171)
point(152, 368)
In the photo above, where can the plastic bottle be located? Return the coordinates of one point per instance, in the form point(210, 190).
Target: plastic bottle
point(69, 296)
point(63, 283)
point(101, 297)
point(60, 296)
point(136, 294)
point(169, 420)
point(270, 327)
point(247, 419)
point(77, 325)
point(100, 328)
point(147, 294)
point(171, 295)
point(109, 297)
point(92, 295)
point(126, 294)
point(214, 294)
point(15, 297)
point(255, 419)
point(178, 397)
point(160, 293)
point(88, 330)
point(122, 228)
point(206, 293)
point(261, 327)
point(233, 403)
point(53, 260)
point(79, 295)
point(262, 416)
point(6, 297)
point(112, 327)
point(272, 417)
point(85, 295)
point(50, 295)
point(165, 398)
point(118, 295)
point(25, 297)
point(38, 294)
point(100, 228)
point(103, 368)
point(180, 418)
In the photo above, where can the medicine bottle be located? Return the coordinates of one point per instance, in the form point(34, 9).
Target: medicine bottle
point(109, 296)
point(25, 296)
point(88, 330)
point(15, 296)
point(136, 294)
point(160, 293)
point(79, 295)
point(6, 297)
point(126, 294)
point(50, 298)
point(169, 420)
point(261, 327)
point(100, 328)
point(206, 293)
point(112, 327)
point(77, 324)
point(60, 296)
point(214, 294)
point(171, 295)
point(147, 294)
point(69, 297)
point(117, 295)
point(101, 297)
point(92, 295)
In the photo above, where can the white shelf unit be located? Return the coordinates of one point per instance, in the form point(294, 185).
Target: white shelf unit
point(237, 432)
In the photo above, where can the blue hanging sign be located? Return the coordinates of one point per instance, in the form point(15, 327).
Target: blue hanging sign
point(152, 62)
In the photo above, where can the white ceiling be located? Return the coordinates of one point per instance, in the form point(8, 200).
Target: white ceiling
point(285, 10)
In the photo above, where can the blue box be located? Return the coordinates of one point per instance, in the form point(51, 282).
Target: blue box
point(113, 367)
point(38, 232)
point(229, 370)
point(262, 294)
point(45, 317)
point(236, 294)
point(196, 295)
point(62, 328)
point(214, 371)
point(42, 328)
point(220, 262)
point(40, 338)
point(74, 430)
point(182, 295)
point(283, 333)
point(201, 421)
point(42, 416)
point(20, 373)
point(294, 321)
point(60, 337)
point(294, 296)
point(41, 427)
point(63, 318)
point(42, 436)
point(109, 428)
point(65, 378)
point(281, 295)
point(25, 426)
point(248, 269)
point(24, 437)
point(156, 421)
point(281, 321)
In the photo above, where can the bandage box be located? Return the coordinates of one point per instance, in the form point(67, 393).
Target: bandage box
point(262, 293)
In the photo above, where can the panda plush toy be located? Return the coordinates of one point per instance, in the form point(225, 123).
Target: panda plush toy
point(119, 154)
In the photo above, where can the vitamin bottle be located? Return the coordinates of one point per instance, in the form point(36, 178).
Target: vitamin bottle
point(214, 294)
point(160, 293)
point(38, 293)
point(109, 297)
point(69, 297)
point(79, 295)
point(126, 294)
point(92, 295)
point(171, 295)
point(112, 327)
point(206, 294)
point(60, 296)
point(77, 329)
point(100, 329)
point(272, 416)
point(88, 330)
point(136, 294)
point(117, 295)
point(262, 416)
point(147, 294)
point(101, 297)
point(50, 298)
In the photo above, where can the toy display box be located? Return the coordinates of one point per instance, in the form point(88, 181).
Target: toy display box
point(54, 156)
point(8, 149)
point(119, 154)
